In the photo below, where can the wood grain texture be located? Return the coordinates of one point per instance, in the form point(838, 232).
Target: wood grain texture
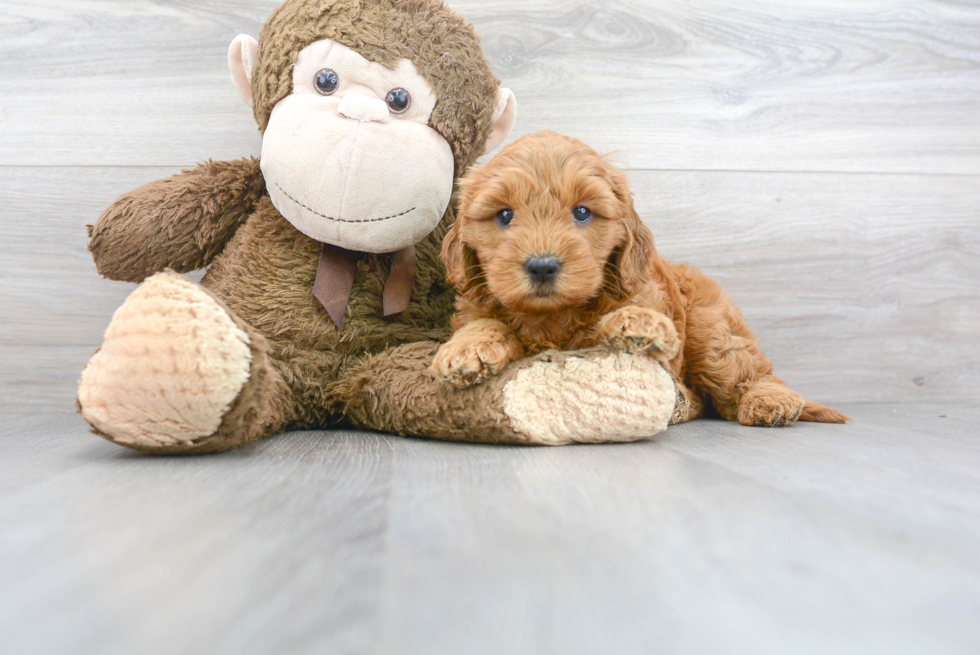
point(821, 159)
point(829, 85)
point(855, 295)
point(711, 538)
point(860, 288)
point(122, 83)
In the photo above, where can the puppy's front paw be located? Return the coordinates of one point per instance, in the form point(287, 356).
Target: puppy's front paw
point(467, 360)
point(640, 330)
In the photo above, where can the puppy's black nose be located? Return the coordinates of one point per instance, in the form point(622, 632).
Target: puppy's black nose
point(542, 269)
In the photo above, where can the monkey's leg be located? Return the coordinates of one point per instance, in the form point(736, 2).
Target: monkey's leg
point(178, 372)
point(689, 405)
point(585, 396)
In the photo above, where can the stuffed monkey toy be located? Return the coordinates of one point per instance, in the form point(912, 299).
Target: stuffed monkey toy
point(325, 299)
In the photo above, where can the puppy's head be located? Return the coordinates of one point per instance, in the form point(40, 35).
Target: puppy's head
point(547, 224)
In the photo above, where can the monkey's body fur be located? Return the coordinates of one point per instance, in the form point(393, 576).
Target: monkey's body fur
point(252, 352)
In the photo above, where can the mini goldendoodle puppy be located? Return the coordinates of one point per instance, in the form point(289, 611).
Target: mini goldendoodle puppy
point(548, 252)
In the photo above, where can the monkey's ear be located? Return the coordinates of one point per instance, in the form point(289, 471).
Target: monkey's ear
point(242, 54)
point(504, 115)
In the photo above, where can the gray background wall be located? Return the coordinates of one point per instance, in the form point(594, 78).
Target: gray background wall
point(821, 159)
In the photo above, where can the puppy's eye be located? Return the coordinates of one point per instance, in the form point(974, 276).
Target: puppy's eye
point(326, 81)
point(398, 100)
point(504, 217)
point(581, 215)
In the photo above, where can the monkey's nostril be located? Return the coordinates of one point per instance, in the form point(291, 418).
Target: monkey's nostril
point(542, 269)
point(358, 107)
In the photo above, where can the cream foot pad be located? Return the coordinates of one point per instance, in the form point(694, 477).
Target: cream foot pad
point(616, 397)
point(172, 363)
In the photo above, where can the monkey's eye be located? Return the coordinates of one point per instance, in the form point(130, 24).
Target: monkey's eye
point(398, 100)
point(326, 81)
point(581, 215)
point(504, 217)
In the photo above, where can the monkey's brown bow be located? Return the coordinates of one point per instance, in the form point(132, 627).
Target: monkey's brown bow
point(335, 279)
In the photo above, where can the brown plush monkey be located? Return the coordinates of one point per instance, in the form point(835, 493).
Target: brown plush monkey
point(325, 297)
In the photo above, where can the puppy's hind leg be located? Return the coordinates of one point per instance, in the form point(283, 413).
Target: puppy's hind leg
point(768, 402)
point(725, 363)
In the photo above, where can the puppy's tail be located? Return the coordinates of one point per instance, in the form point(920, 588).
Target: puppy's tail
point(819, 413)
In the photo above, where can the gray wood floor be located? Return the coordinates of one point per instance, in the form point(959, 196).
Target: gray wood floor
point(711, 538)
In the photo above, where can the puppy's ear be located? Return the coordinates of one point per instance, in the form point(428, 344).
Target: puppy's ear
point(454, 257)
point(462, 266)
point(633, 259)
point(636, 255)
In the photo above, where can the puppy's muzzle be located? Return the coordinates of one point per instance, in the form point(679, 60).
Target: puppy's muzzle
point(542, 269)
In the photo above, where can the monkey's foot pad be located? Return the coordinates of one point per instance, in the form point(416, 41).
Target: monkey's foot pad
point(570, 399)
point(172, 363)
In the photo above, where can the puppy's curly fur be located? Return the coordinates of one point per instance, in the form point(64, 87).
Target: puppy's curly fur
point(550, 198)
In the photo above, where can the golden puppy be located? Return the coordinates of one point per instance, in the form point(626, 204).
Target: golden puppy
point(548, 252)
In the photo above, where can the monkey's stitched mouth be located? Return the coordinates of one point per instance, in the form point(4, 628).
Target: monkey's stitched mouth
point(343, 220)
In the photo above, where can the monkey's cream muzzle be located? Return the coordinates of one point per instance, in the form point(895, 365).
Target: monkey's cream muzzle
point(362, 185)
point(343, 168)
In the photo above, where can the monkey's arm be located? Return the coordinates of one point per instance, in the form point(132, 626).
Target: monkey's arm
point(180, 222)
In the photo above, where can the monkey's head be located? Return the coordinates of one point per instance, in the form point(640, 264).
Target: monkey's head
point(369, 110)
